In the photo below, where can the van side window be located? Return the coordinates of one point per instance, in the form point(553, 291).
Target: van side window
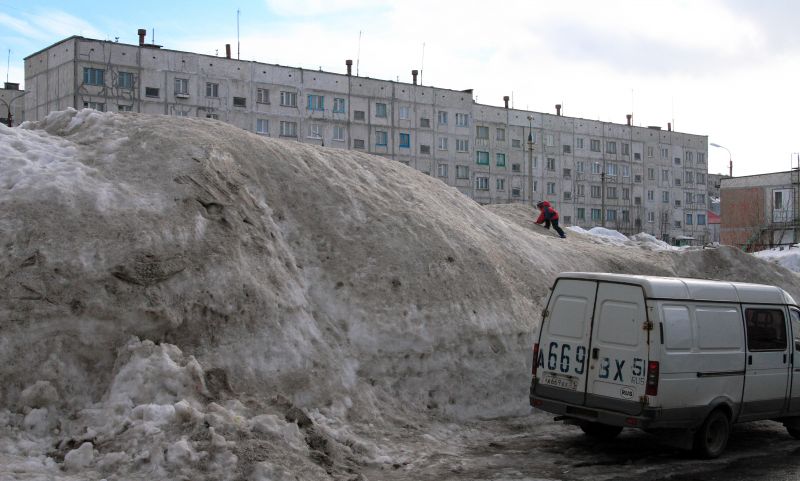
point(795, 315)
point(766, 330)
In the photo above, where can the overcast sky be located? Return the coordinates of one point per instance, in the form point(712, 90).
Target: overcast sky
point(729, 69)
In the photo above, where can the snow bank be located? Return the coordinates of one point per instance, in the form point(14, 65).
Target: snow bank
point(180, 298)
point(787, 256)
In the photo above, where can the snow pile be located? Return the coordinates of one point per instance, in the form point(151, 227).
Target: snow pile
point(788, 256)
point(181, 299)
point(616, 238)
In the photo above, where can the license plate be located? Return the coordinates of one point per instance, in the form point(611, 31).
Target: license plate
point(563, 382)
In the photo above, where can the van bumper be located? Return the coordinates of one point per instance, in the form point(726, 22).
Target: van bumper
point(647, 418)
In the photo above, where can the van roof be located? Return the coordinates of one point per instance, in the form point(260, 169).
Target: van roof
point(695, 289)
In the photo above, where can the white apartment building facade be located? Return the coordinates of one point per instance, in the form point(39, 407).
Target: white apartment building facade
point(623, 177)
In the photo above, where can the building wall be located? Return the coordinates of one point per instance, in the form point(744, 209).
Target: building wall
point(12, 100)
point(481, 150)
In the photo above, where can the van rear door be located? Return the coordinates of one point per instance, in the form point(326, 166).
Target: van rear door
point(564, 341)
point(619, 349)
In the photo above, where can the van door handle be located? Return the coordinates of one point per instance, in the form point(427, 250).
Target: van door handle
point(750, 360)
point(784, 358)
point(595, 353)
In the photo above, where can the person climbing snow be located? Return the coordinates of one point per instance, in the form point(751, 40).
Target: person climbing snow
point(549, 215)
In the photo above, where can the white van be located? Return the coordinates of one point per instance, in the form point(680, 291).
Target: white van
point(666, 354)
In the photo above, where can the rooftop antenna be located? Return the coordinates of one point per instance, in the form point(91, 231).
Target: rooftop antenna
point(422, 65)
point(358, 56)
point(512, 99)
point(154, 36)
point(238, 45)
point(8, 65)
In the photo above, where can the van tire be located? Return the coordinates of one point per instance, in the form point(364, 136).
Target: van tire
point(712, 437)
point(600, 431)
point(793, 432)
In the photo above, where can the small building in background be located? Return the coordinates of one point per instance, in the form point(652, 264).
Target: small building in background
point(713, 225)
point(12, 104)
point(758, 211)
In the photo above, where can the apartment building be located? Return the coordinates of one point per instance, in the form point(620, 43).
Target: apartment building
point(620, 176)
point(12, 111)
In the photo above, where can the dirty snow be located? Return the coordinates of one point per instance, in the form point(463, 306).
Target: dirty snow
point(785, 256)
point(181, 299)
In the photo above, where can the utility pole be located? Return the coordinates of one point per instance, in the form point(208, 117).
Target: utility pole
point(530, 160)
point(9, 104)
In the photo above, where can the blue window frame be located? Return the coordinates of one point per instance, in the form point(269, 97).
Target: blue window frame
point(93, 76)
point(701, 219)
point(316, 102)
point(405, 141)
point(125, 80)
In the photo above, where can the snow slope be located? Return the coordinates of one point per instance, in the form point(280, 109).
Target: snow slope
point(181, 299)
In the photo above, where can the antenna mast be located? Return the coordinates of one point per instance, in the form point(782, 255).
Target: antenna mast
point(422, 65)
point(358, 56)
point(8, 65)
point(238, 45)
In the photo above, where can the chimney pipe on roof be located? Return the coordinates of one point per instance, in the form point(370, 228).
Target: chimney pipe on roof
point(629, 117)
point(669, 126)
point(414, 74)
point(558, 110)
point(142, 32)
point(227, 50)
point(349, 64)
point(505, 99)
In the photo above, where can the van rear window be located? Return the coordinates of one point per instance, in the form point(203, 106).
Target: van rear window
point(766, 329)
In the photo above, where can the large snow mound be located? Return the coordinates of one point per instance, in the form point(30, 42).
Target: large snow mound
point(180, 298)
point(785, 256)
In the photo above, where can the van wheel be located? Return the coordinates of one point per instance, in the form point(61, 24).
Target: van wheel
point(793, 432)
point(712, 437)
point(600, 431)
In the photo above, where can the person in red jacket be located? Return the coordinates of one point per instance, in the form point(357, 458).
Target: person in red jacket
point(549, 215)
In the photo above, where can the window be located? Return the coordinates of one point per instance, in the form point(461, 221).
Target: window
point(125, 80)
point(664, 153)
point(651, 217)
point(424, 149)
point(579, 143)
point(262, 96)
point(181, 113)
point(338, 105)
point(567, 149)
point(288, 129)
point(358, 143)
point(482, 158)
point(688, 219)
point(359, 115)
point(548, 140)
point(651, 173)
point(701, 178)
point(125, 108)
point(637, 178)
point(611, 215)
point(594, 145)
point(766, 329)
point(689, 156)
point(462, 120)
point(701, 219)
point(700, 198)
point(581, 190)
point(501, 134)
point(651, 195)
point(689, 177)
point(93, 76)
point(338, 133)
point(442, 143)
point(596, 214)
point(442, 117)
point(380, 110)
point(262, 126)
point(99, 106)
point(701, 157)
point(677, 181)
point(515, 192)
point(316, 102)
point(425, 123)
point(212, 116)
point(626, 170)
point(181, 86)
point(212, 90)
point(462, 172)
point(441, 170)
point(579, 166)
point(581, 213)
point(650, 151)
point(626, 216)
point(516, 143)
point(551, 164)
point(596, 191)
point(151, 92)
point(688, 198)
point(500, 159)
point(677, 161)
point(611, 147)
point(626, 193)
point(239, 102)
point(481, 132)
point(611, 192)
point(665, 175)
point(611, 169)
point(405, 141)
point(665, 196)
point(403, 112)
point(462, 145)
point(481, 183)
point(626, 149)
point(566, 173)
point(289, 99)
point(596, 167)
point(637, 156)
point(500, 184)
point(551, 188)
point(381, 138)
point(515, 168)
point(315, 131)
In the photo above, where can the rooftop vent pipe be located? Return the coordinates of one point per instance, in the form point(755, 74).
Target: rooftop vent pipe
point(227, 50)
point(669, 126)
point(142, 32)
point(505, 99)
point(414, 75)
point(629, 117)
point(349, 64)
point(558, 110)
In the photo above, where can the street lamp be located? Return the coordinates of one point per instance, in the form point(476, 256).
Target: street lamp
point(602, 195)
point(530, 159)
point(730, 161)
point(8, 107)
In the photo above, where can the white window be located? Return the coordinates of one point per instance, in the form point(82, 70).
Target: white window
point(501, 184)
point(99, 106)
point(403, 112)
point(125, 80)
point(315, 131)
point(442, 143)
point(579, 143)
point(581, 192)
point(664, 175)
point(462, 145)
point(611, 192)
point(611, 147)
point(594, 145)
point(338, 133)
point(481, 183)
point(262, 126)
point(181, 113)
point(626, 170)
point(381, 138)
point(481, 132)
point(442, 115)
point(262, 96)
point(651, 195)
point(441, 170)
point(596, 191)
point(665, 196)
point(380, 110)
point(181, 86)
point(548, 140)
point(611, 169)
point(462, 120)
point(462, 172)
point(338, 105)
point(212, 89)
point(651, 216)
point(551, 163)
point(651, 173)
point(664, 153)
point(516, 143)
point(288, 129)
point(596, 168)
point(650, 151)
point(626, 149)
point(611, 214)
point(289, 99)
point(551, 187)
point(501, 134)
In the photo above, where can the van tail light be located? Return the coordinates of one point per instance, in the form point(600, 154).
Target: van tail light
point(535, 363)
point(651, 389)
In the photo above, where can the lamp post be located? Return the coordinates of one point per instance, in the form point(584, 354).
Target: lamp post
point(602, 195)
point(730, 161)
point(8, 107)
point(530, 159)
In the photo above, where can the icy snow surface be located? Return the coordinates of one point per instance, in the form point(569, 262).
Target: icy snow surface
point(786, 256)
point(181, 299)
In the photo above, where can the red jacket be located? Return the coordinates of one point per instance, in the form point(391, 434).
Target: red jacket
point(547, 213)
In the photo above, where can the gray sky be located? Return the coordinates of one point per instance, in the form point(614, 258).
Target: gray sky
point(723, 68)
